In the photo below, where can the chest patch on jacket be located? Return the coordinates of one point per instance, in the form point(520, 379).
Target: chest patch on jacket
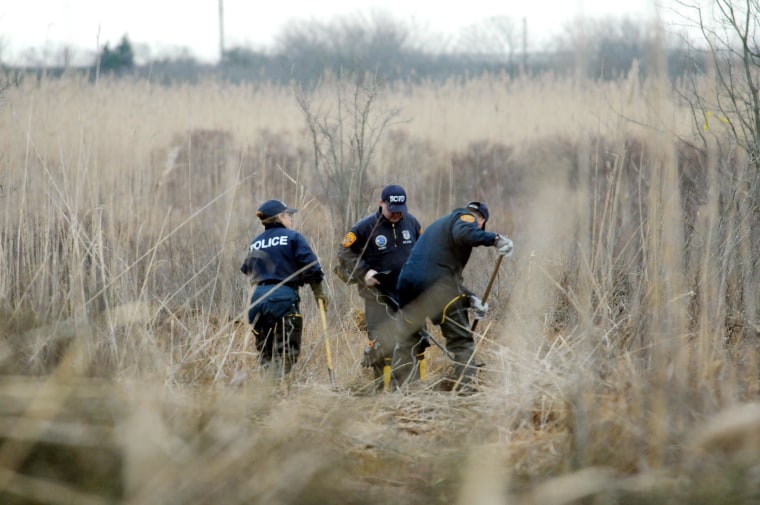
point(349, 239)
point(381, 241)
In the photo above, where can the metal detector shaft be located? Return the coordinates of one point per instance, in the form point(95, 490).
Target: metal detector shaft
point(437, 344)
point(488, 288)
point(328, 355)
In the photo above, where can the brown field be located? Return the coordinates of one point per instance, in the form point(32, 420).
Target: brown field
point(621, 349)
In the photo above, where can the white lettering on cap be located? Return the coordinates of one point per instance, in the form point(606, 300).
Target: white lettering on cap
point(396, 199)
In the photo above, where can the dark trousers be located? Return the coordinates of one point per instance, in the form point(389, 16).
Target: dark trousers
point(279, 338)
point(447, 308)
point(277, 324)
point(381, 315)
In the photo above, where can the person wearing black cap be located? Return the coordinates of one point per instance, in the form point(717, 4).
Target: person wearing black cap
point(279, 262)
point(371, 256)
point(430, 285)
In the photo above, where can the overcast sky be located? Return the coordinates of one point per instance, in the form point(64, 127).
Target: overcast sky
point(165, 26)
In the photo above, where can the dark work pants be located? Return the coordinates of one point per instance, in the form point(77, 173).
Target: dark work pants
point(279, 339)
point(447, 308)
point(380, 313)
point(277, 324)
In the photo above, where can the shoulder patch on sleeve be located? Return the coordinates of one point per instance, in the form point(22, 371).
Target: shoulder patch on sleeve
point(349, 239)
point(467, 218)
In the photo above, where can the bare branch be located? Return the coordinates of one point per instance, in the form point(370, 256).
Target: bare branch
point(345, 133)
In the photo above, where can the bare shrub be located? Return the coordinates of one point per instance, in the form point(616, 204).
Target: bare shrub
point(620, 182)
point(197, 164)
point(413, 163)
point(345, 128)
point(271, 164)
point(484, 172)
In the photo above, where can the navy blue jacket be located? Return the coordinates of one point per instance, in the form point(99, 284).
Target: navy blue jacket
point(441, 253)
point(277, 254)
point(376, 243)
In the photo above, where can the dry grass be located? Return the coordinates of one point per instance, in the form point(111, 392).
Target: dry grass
point(128, 376)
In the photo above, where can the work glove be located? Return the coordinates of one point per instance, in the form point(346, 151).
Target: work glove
point(503, 246)
point(369, 278)
point(479, 307)
point(319, 293)
point(370, 354)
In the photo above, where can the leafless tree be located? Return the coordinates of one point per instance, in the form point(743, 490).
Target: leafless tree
point(730, 31)
point(608, 46)
point(377, 42)
point(498, 35)
point(726, 109)
point(345, 120)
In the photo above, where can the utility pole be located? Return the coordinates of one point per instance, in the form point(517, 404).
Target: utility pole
point(221, 31)
point(524, 42)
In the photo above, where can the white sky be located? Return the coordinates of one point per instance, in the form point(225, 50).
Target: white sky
point(168, 25)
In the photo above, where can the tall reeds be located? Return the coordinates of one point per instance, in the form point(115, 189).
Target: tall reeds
point(625, 319)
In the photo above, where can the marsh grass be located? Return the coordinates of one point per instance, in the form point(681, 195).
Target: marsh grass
point(623, 323)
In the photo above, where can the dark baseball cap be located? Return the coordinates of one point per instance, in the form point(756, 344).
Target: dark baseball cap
point(395, 198)
point(271, 208)
point(481, 208)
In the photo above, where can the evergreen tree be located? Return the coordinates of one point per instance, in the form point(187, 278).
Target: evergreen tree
point(118, 60)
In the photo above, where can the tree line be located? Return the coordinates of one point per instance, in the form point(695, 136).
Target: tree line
point(304, 51)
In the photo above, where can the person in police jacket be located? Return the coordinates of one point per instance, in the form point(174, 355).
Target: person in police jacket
point(371, 256)
point(279, 262)
point(430, 285)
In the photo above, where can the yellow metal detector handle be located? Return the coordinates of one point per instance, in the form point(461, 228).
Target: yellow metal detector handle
point(387, 371)
point(387, 375)
point(423, 366)
point(328, 355)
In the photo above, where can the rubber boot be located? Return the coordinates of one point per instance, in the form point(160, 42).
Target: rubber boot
point(403, 370)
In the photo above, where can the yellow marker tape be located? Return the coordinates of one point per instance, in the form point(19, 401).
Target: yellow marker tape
point(722, 119)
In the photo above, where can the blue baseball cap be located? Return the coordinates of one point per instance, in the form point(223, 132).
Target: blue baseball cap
point(481, 208)
point(394, 197)
point(271, 208)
